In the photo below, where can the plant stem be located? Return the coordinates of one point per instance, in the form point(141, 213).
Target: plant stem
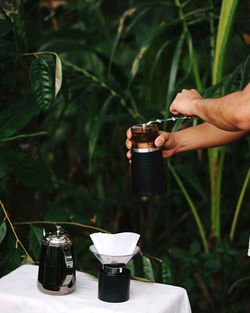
point(213, 155)
point(102, 84)
point(228, 9)
point(62, 223)
point(236, 283)
point(212, 32)
point(89, 75)
point(218, 193)
point(192, 207)
point(227, 13)
point(14, 232)
point(40, 52)
point(196, 73)
point(237, 210)
point(42, 133)
point(204, 290)
point(194, 58)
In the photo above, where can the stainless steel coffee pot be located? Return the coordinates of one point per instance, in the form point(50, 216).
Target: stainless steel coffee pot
point(56, 275)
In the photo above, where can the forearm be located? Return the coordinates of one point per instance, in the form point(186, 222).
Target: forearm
point(203, 136)
point(231, 112)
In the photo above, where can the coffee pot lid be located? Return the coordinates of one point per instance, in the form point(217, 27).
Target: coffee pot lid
point(57, 239)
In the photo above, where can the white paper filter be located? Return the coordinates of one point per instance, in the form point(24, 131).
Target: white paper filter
point(119, 244)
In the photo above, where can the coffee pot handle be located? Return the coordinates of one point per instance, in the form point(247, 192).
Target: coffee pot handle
point(69, 266)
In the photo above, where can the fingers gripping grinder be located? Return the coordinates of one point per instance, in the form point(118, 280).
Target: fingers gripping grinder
point(147, 165)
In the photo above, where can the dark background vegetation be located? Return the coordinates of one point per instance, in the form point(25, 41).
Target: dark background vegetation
point(63, 158)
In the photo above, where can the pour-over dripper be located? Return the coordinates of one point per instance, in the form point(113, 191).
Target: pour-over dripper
point(114, 277)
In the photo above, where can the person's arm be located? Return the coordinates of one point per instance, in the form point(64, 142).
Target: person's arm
point(231, 112)
point(197, 137)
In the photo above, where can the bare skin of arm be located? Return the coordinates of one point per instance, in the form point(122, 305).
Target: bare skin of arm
point(201, 136)
point(227, 119)
point(231, 112)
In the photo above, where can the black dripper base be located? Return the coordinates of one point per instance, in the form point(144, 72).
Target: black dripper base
point(114, 283)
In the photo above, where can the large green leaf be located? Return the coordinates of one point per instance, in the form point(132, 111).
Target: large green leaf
point(58, 75)
point(29, 170)
point(227, 14)
point(166, 273)
point(175, 67)
point(148, 269)
point(35, 238)
point(162, 28)
point(228, 9)
point(75, 43)
point(10, 256)
point(131, 267)
point(230, 82)
point(16, 116)
point(41, 83)
point(11, 260)
point(3, 229)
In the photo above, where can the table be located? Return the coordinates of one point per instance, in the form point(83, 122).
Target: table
point(19, 294)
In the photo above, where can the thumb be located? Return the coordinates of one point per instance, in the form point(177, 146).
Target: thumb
point(162, 139)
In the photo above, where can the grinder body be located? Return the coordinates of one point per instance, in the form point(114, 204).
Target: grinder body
point(148, 177)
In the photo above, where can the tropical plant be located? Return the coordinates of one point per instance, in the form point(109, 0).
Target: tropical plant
point(74, 76)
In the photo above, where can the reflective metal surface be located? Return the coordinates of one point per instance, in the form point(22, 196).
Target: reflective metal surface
point(56, 273)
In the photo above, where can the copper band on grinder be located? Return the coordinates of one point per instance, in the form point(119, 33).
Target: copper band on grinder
point(144, 145)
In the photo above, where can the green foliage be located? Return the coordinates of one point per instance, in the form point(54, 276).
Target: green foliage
point(131, 267)
point(148, 269)
point(98, 123)
point(35, 240)
point(3, 230)
point(73, 80)
point(5, 27)
point(41, 83)
point(11, 260)
point(27, 169)
point(228, 9)
point(166, 273)
point(16, 116)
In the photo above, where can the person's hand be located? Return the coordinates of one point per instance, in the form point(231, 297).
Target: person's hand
point(129, 143)
point(165, 140)
point(185, 103)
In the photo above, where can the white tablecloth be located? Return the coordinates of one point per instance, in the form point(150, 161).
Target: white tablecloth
point(19, 294)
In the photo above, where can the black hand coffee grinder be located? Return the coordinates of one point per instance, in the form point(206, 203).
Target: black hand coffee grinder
point(148, 177)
